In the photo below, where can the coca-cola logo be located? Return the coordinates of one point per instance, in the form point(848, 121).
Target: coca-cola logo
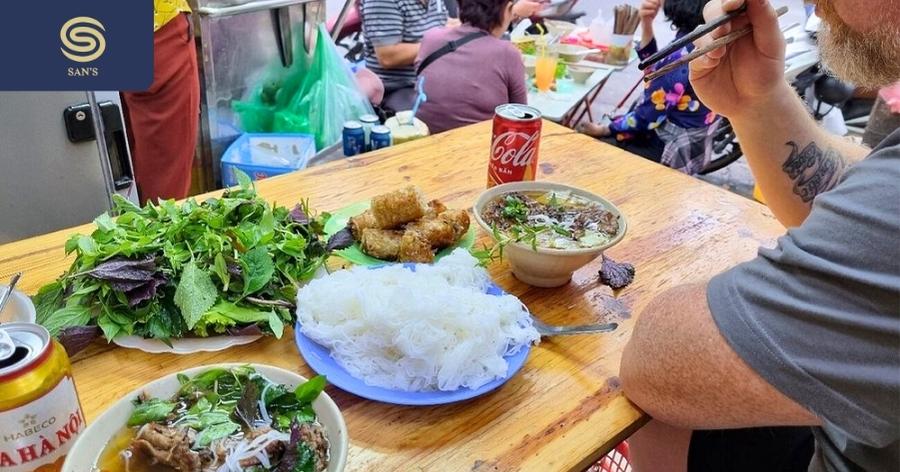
point(515, 148)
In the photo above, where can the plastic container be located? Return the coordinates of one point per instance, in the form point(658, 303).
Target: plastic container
point(266, 155)
point(600, 29)
point(619, 53)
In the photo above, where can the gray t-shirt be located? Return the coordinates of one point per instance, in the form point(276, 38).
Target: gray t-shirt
point(390, 22)
point(818, 316)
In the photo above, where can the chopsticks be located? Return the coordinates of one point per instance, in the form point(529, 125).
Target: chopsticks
point(626, 19)
point(703, 30)
point(724, 40)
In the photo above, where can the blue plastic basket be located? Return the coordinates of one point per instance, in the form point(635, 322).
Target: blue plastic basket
point(263, 155)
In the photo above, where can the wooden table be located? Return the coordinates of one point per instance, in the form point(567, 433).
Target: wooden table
point(565, 409)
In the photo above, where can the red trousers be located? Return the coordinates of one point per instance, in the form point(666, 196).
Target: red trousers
point(163, 120)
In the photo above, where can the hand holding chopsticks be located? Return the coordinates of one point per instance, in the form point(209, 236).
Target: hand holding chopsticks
point(699, 52)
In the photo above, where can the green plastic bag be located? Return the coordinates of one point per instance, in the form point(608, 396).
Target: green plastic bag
point(328, 97)
point(274, 91)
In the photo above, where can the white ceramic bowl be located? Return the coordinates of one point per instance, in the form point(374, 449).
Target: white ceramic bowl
point(571, 52)
point(580, 74)
point(18, 308)
point(90, 444)
point(547, 267)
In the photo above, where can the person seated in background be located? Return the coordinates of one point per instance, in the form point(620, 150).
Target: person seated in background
point(669, 124)
point(465, 84)
point(393, 30)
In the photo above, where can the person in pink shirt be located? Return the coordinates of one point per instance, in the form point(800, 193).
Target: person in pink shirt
point(465, 85)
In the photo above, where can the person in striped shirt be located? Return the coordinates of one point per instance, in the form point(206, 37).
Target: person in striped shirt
point(393, 31)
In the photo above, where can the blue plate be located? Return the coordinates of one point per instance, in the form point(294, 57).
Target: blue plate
point(320, 360)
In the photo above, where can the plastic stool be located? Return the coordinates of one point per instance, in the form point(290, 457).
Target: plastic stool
point(615, 461)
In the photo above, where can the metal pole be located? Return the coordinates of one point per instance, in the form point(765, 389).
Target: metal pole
point(341, 19)
point(100, 135)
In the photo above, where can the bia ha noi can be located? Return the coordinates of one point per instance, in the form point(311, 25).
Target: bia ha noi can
point(40, 415)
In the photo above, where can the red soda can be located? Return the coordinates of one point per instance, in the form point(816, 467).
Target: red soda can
point(514, 145)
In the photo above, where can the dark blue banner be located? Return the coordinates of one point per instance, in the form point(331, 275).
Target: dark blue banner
point(77, 45)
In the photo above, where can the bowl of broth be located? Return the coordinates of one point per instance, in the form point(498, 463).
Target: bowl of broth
point(548, 230)
point(212, 418)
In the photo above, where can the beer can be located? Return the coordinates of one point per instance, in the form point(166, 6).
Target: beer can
point(369, 121)
point(381, 137)
point(354, 138)
point(40, 415)
point(515, 143)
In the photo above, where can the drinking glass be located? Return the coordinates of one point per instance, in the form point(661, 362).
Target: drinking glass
point(545, 71)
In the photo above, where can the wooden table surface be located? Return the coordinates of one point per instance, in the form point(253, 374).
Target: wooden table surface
point(565, 409)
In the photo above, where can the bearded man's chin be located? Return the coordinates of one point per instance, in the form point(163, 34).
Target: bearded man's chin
point(870, 60)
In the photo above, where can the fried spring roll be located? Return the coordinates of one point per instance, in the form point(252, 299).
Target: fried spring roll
point(381, 243)
point(444, 230)
point(415, 248)
point(435, 208)
point(361, 222)
point(399, 207)
point(459, 219)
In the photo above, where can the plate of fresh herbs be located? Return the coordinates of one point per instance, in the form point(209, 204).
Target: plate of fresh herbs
point(186, 277)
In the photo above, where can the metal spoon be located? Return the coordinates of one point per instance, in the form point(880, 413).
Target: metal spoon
point(548, 330)
point(6, 295)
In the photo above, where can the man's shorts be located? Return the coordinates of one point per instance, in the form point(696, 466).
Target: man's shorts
point(784, 449)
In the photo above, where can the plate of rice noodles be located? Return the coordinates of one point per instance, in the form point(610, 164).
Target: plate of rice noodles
point(401, 226)
point(414, 334)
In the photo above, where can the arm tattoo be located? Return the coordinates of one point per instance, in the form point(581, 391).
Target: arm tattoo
point(813, 170)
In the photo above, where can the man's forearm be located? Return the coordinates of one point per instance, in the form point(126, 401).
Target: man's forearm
point(793, 159)
point(397, 55)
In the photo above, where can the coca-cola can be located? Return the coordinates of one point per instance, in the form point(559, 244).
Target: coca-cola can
point(514, 144)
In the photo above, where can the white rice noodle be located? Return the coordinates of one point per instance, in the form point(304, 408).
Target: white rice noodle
point(246, 449)
point(432, 329)
point(263, 411)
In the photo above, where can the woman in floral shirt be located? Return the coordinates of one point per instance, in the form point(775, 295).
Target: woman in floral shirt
point(669, 124)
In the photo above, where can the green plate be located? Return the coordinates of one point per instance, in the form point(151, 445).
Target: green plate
point(354, 254)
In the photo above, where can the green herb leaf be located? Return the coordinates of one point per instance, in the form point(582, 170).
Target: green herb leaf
point(149, 411)
point(306, 458)
point(215, 432)
point(276, 325)
point(243, 179)
point(214, 417)
point(258, 269)
point(66, 317)
point(310, 390)
point(195, 294)
point(221, 270)
point(105, 222)
point(562, 231)
point(48, 299)
point(110, 328)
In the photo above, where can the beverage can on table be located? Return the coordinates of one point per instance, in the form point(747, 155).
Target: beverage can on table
point(381, 137)
point(354, 138)
point(40, 415)
point(514, 144)
point(368, 122)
